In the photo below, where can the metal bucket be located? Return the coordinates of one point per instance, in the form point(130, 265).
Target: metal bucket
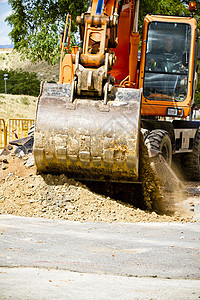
point(87, 139)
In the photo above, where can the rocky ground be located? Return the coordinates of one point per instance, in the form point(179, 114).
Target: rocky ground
point(24, 193)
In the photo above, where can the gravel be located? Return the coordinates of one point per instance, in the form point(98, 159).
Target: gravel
point(24, 193)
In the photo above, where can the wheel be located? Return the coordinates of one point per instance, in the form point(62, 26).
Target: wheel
point(31, 130)
point(159, 140)
point(191, 161)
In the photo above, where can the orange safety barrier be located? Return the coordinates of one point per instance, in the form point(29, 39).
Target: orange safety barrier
point(3, 134)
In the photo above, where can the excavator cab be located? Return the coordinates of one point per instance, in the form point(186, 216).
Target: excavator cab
point(168, 65)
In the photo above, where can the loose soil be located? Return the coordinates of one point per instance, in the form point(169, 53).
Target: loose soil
point(24, 193)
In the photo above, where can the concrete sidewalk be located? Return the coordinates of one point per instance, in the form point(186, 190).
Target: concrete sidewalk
point(34, 283)
point(52, 259)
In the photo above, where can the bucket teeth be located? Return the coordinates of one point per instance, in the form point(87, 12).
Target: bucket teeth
point(88, 142)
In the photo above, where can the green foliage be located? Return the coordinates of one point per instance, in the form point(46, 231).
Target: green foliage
point(25, 101)
point(36, 26)
point(163, 7)
point(20, 83)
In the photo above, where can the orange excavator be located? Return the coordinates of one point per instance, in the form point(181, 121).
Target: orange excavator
point(88, 125)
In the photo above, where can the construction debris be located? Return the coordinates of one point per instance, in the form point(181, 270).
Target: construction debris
point(24, 193)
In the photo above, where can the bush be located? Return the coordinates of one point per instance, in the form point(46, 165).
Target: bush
point(20, 83)
point(25, 101)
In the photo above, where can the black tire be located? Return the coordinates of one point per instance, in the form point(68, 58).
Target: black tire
point(160, 141)
point(191, 161)
point(31, 130)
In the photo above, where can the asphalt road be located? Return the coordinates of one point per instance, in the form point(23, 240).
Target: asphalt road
point(52, 259)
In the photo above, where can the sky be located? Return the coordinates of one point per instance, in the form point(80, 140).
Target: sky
point(5, 11)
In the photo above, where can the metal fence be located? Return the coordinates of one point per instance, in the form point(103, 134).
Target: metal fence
point(13, 129)
point(3, 134)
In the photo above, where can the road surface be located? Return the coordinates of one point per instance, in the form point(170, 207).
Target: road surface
point(52, 259)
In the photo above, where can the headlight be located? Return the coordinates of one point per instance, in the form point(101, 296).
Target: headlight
point(174, 112)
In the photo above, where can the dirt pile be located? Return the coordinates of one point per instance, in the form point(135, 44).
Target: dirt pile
point(26, 194)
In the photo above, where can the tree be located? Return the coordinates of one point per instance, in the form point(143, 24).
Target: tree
point(165, 7)
point(20, 83)
point(36, 24)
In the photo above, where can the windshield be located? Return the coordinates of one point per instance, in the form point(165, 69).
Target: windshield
point(167, 61)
